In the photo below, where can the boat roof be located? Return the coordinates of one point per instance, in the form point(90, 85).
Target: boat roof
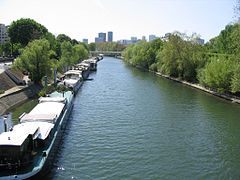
point(71, 81)
point(84, 64)
point(90, 61)
point(52, 99)
point(73, 71)
point(20, 132)
point(47, 110)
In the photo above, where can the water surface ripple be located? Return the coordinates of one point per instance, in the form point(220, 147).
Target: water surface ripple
point(129, 124)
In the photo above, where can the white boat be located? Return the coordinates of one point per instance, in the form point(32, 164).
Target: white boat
point(73, 79)
point(84, 68)
point(29, 149)
point(92, 64)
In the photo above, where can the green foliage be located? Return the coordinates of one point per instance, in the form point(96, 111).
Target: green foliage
point(74, 42)
point(1, 91)
point(235, 83)
point(227, 42)
point(5, 49)
point(67, 55)
point(46, 90)
point(92, 46)
point(143, 54)
point(109, 46)
point(84, 45)
point(25, 30)
point(50, 89)
point(8, 49)
point(62, 37)
point(61, 88)
point(80, 53)
point(218, 74)
point(35, 59)
point(180, 58)
point(71, 55)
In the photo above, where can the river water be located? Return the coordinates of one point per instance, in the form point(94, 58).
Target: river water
point(130, 124)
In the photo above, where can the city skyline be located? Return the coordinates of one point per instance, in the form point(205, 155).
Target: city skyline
point(126, 19)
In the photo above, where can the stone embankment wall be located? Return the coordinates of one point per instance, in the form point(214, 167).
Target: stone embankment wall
point(228, 97)
point(17, 97)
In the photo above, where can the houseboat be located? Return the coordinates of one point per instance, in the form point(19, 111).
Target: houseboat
point(29, 148)
point(84, 68)
point(92, 64)
point(73, 79)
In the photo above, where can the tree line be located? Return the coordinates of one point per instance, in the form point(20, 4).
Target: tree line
point(38, 51)
point(214, 65)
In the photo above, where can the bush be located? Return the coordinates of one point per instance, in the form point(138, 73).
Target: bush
point(46, 90)
point(154, 67)
point(1, 91)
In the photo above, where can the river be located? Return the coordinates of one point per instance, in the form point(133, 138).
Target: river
point(130, 124)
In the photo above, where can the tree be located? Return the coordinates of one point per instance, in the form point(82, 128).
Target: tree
point(67, 56)
point(92, 46)
point(35, 59)
point(25, 30)
point(235, 83)
point(227, 42)
point(62, 37)
point(5, 49)
point(80, 53)
point(74, 42)
point(217, 74)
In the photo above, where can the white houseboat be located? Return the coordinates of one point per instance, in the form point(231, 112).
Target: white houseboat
point(28, 150)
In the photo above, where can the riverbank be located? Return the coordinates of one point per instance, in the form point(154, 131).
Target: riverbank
point(17, 96)
point(228, 97)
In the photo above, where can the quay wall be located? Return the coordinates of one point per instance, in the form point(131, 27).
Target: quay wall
point(18, 97)
point(227, 97)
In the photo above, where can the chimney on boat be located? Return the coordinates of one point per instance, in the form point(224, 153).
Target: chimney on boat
point(5, 124)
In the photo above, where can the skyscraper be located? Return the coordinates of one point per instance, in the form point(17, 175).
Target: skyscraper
point(152, 37)
point(102, 36)
point(3, 34)
point(110, 36)
point(85, 41)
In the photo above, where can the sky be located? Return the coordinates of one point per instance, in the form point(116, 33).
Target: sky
point(125, 18)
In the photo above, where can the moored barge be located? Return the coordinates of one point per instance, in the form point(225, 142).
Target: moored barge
point(28, 150)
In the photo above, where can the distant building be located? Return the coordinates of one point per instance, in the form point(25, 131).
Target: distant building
point(98, 40)
point(134, 40)
point(85, 41)
point(144, 38)
point(152, 37)
point(199, 41)
point(166, 37)
point(125, 42)
point(3, 34)
point(102, 36)
point(110, 36)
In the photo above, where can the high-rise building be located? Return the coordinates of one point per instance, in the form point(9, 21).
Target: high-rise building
point(110, 36)
point(144, 38)
point(98, 40)
point(152, 37)
point(102, 36)
point(134, 40)
point(85, 41)
point(3, 34)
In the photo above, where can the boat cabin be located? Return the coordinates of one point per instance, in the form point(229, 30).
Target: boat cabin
point(18, 147)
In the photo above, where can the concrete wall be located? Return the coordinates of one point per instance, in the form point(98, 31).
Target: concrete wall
point(16, 98)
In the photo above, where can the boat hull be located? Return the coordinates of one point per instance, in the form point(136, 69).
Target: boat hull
point(46, 163)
